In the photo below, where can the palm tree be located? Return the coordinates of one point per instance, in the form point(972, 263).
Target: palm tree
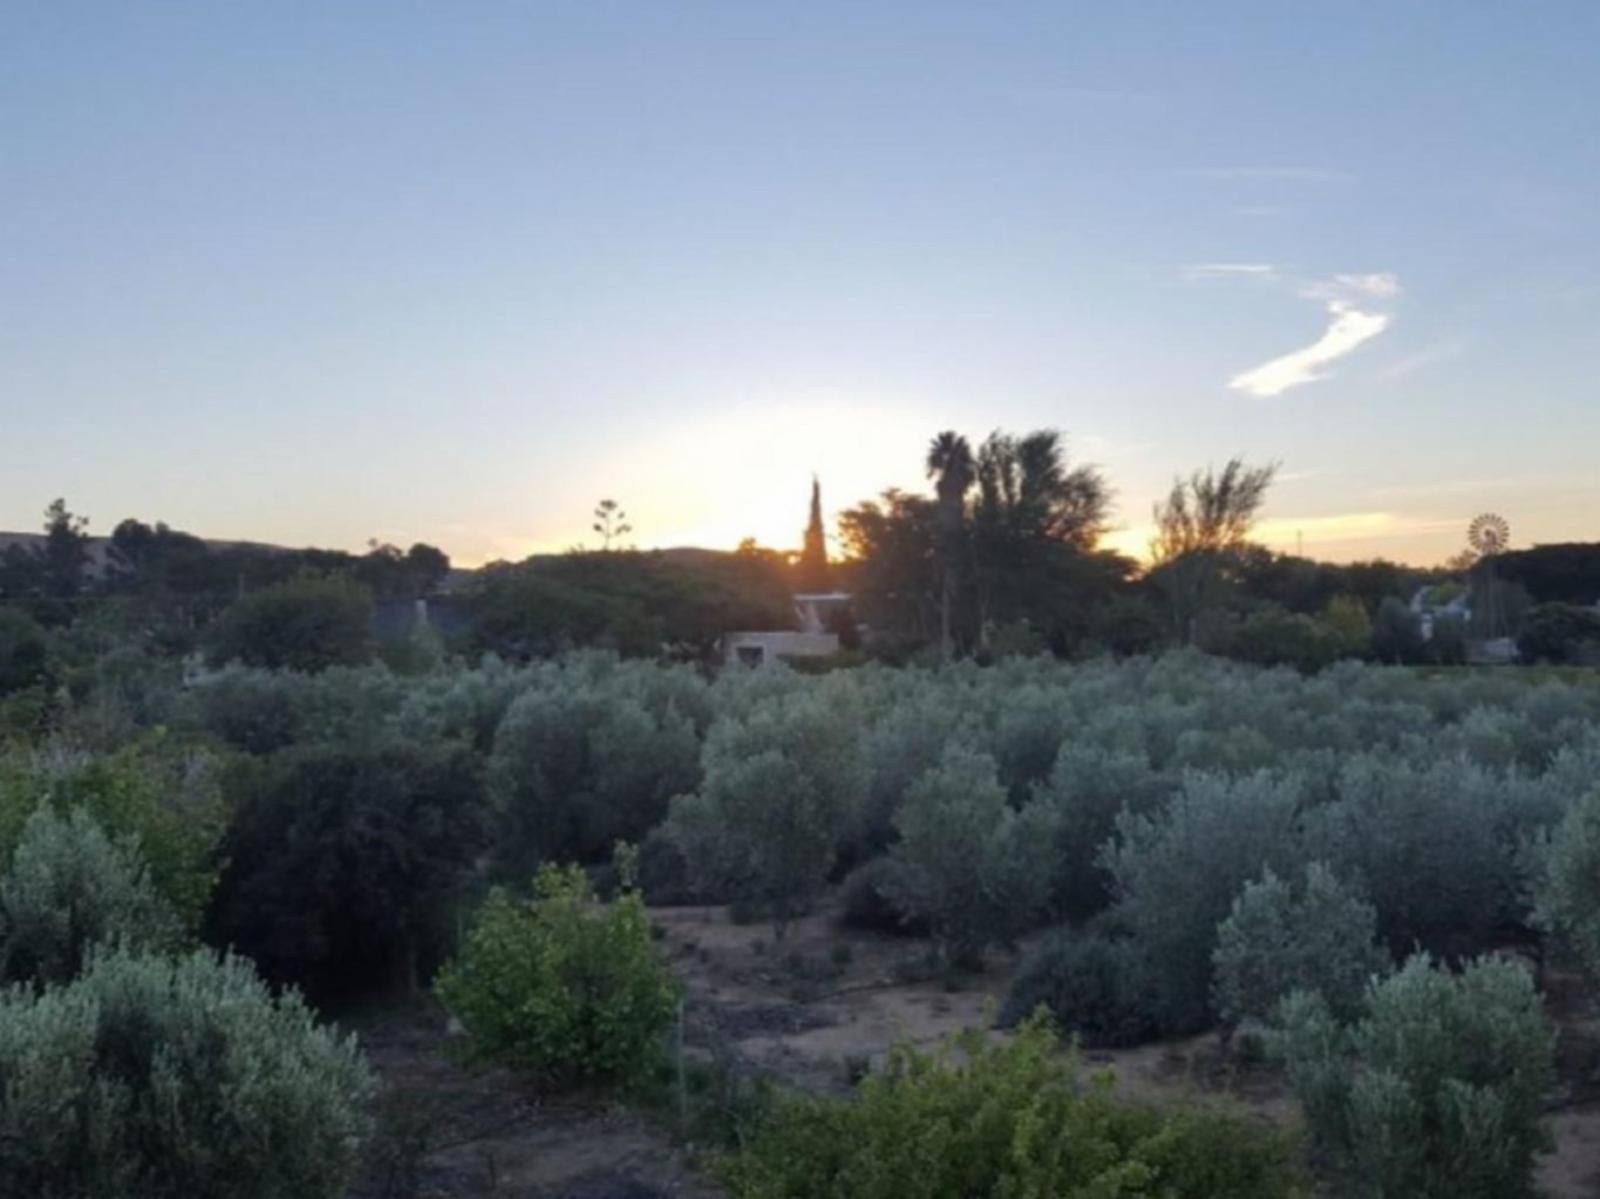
point(950, 465)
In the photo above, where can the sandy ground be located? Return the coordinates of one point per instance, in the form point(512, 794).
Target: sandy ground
point(813, 1012)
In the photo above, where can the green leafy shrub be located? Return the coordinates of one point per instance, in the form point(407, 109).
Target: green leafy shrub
point(978, 1119)
point(166, 799)
point(1092, 984)
point(1282, 936)
point(567, 988)
point(345, 863)
point(1275, 637)
point(69, 888)
point(171, 1080)
point(974, 869)
point(1435, 1091)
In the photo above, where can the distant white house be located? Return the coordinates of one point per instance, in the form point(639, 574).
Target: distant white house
point(812, 613)
point(1456, 605)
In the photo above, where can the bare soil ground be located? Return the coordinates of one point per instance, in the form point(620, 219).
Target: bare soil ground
point(447, 1132)
point(814, 1013)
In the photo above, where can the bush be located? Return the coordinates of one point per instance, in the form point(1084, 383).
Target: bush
point(1089, 786)
point(978, 1119)
point(304, 624)
point(70, 888)
point(1434, 1092)
point(1435, 845)
point(578, 766)
point(171, 1080)
point(168, 802)
point(1314, 935)
point(781, 783)
point(865, 902)
point(976, 871)
point(24, 652)
point(1562, 633)
point(1091, 983)
point(1397, 634)
point(344, 863)
point(1176, 873)
point(1275, 637)
point(565, 987)
point(1568, 881)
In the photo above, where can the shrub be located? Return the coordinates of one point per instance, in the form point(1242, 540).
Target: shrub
point(1275, 637)
point(1397, 634)
point(1435, 845)
point(1434, 1092)
point(1564, 633)
point(304, 624)
point(1090, 982)
point(975, 870)
point(978, 1119)
point(173, 1079)
point(780, 785)
point(565, 987)
point(1568, 881)
point(1176, 873)
point(1088, 786)
point(169, 802)
point(578, 766)
point(344, 861)
point(24, 652)
point(1314, 935)
point(70, 888)
point(865, 902)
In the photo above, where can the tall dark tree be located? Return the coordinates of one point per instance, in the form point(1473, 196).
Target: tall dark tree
point(1200, 528)
point(950, 465)
point(812, 573)
point(611, 522)
point(64, 557)
point(1032, 511)
point(891, 563)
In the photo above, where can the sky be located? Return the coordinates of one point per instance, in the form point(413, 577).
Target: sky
point(315, 273)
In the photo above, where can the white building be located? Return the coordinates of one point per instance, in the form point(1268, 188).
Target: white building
point(810, 640)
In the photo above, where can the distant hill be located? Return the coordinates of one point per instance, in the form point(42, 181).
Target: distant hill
point(99, 547)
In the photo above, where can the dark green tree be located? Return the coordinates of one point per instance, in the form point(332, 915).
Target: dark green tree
point(1200, 529)
point(306, 624)
point(343, 861)
point(811, 572)
point(951, 467)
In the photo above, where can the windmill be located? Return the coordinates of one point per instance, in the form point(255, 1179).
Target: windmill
point(1488, 536)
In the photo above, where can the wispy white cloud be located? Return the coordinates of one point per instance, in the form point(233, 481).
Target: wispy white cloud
point(1227, 270)
point(1345, 288)
point(1349, 327)
point(1354, 318)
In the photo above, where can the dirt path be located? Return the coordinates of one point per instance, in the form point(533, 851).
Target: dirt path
point(448, 1133)
point(813, 1014)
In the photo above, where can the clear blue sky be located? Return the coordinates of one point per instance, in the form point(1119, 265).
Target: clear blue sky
point(318, 272)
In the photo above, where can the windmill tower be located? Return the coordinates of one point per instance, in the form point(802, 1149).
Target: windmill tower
point(1488, 536)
